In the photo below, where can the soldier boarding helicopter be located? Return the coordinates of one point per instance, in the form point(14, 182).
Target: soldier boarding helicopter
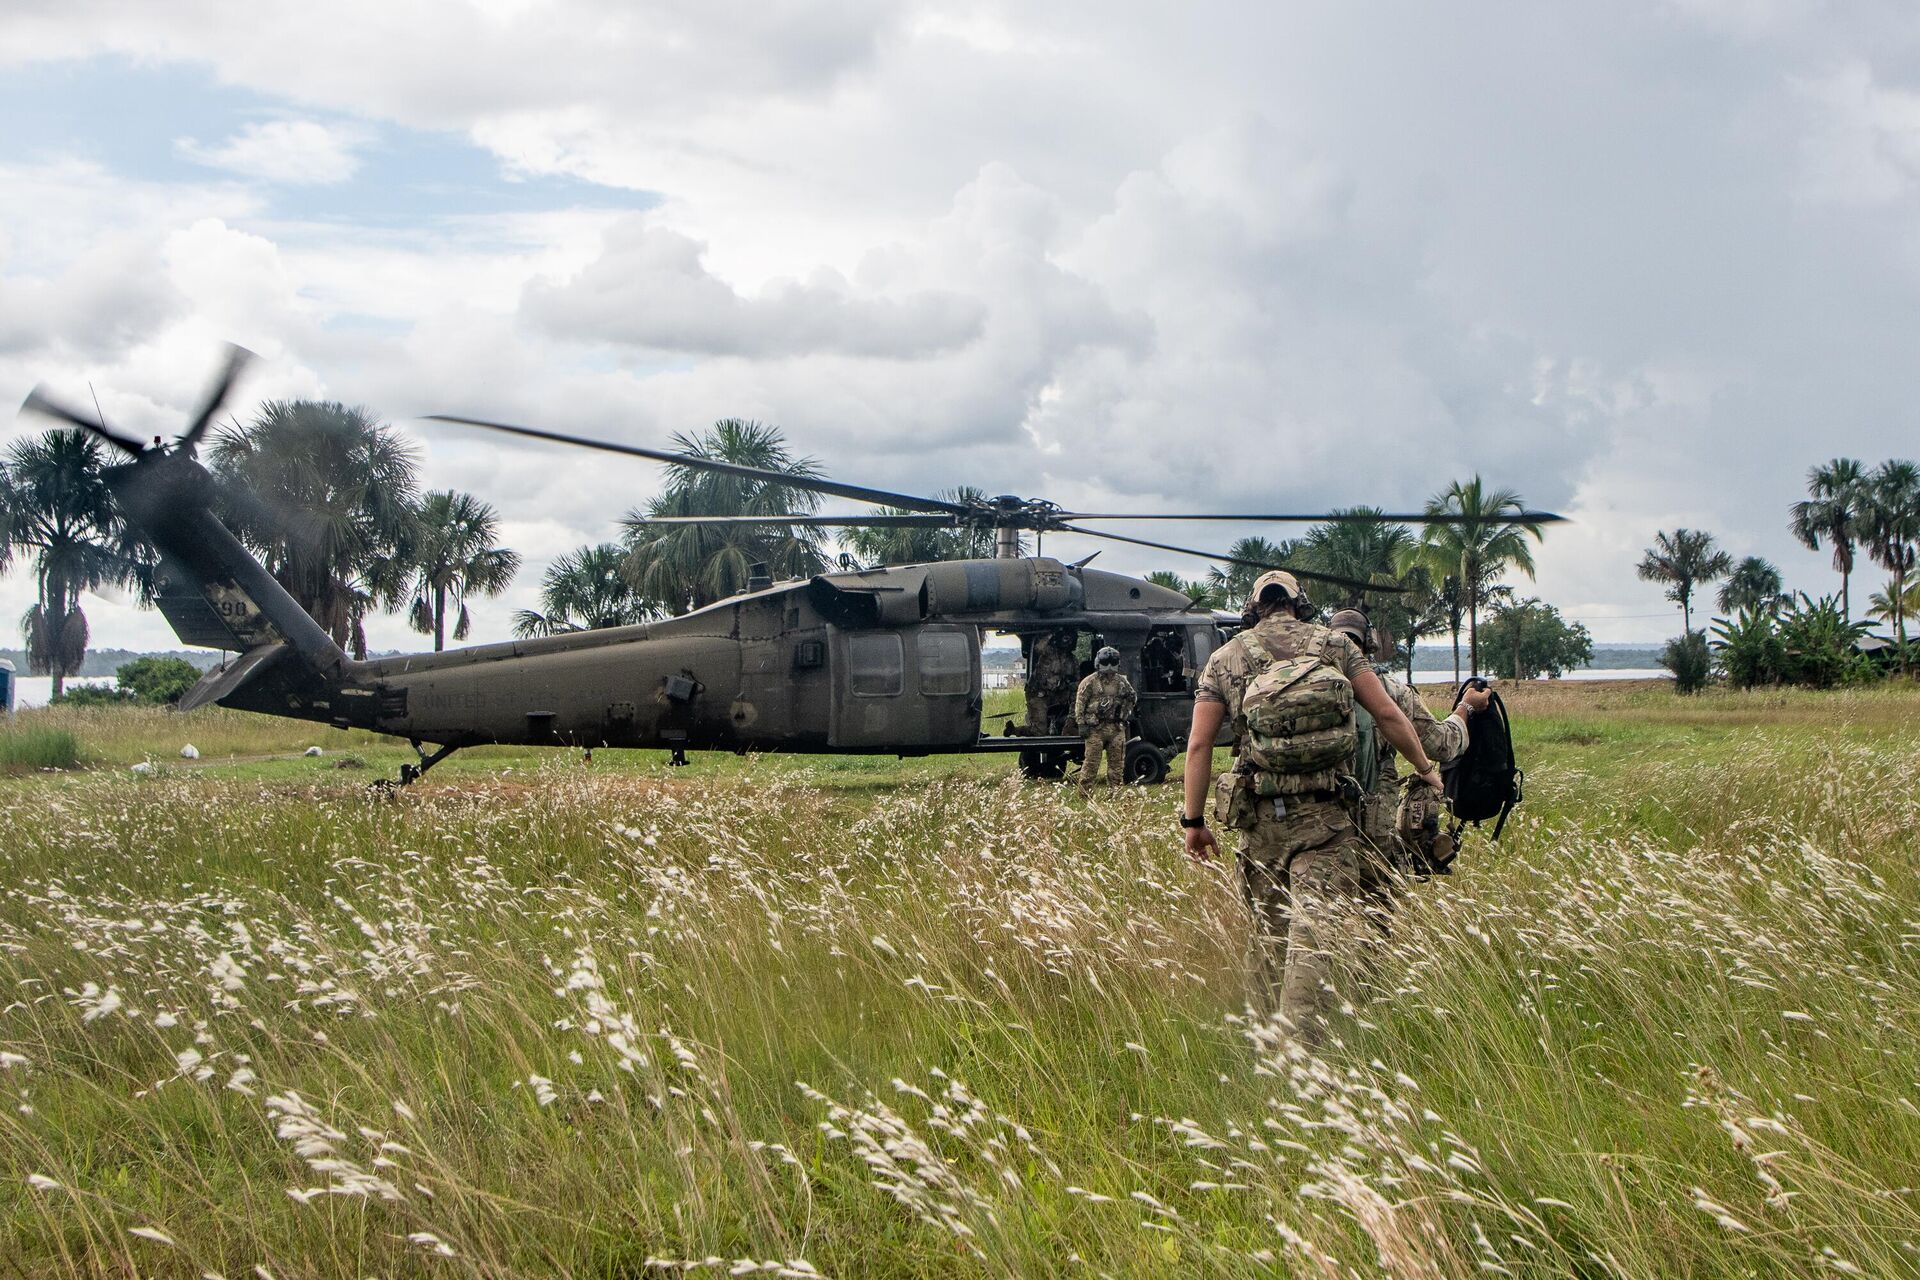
point(882, 661)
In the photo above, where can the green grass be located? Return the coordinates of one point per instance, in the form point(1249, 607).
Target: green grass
point(918, 1018)
point(27, 746)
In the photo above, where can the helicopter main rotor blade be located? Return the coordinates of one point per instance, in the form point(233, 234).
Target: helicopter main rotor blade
point(813, 484)
point(238, 357)
point(1329, 517)
point(1330, 578)
point(40, 402)
point(818, 522)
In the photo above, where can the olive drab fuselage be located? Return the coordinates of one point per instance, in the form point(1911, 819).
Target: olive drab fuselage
point(885, 661)
point(880, 661)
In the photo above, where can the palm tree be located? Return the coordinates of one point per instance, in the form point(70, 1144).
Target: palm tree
point(1235, 581)
point(1832, 511)
point(1474, 550)
point(585, 590)
point(1204, 593)
point(452, 556)
point(343, 487)
point(58, 509)
point(1884, 604)
point(923, 546)
point(688, 566)
point(1889, 519)
point(1754, 585)
point(1682, 560)
point(1425, 610)
point(1366, 551)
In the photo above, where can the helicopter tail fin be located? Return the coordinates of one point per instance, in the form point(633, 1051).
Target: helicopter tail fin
point(211, 590)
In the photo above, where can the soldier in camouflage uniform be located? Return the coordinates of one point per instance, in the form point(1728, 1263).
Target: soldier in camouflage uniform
point(1444, 740)
point(1102, 708)
point(1051, 668)
point(1318, 891)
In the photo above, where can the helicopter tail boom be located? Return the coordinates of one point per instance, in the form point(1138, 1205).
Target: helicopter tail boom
point(212, 591)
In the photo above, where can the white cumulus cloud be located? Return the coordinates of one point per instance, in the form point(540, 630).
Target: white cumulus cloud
point(649, 288)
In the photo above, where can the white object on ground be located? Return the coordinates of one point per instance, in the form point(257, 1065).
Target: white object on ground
point(189, 752)
point(145, 766)
point(313, 751)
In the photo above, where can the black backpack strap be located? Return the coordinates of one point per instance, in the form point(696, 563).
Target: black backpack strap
point(1512, 797)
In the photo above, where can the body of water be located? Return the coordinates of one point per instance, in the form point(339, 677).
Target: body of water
point(33, 691)
point(1584, 674)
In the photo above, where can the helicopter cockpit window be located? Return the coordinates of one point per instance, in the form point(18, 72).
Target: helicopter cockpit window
point(946, 663)
point(875, 665)
point(1205, 641)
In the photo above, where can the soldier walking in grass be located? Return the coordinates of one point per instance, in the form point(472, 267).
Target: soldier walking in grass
point(1102, 709)
point(1444, 740)
point(1318, 891)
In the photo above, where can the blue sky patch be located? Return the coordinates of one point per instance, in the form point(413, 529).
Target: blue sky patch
point(130, 119)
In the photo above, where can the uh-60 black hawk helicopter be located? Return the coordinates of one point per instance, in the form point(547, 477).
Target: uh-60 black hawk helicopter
point(877, 661)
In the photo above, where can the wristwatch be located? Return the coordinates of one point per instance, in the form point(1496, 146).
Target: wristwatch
point(1192, 824)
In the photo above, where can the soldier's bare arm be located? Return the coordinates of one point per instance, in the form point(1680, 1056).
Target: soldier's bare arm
point(1393, 724)
point(1443, 739)
point(1208, 716)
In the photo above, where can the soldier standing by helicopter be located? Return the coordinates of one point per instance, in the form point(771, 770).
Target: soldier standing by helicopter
point(1102, 708)
point(1318, 891)
point(1050, 678)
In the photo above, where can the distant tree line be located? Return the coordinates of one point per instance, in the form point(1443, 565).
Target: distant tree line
point(1769, 635)
point(1435, 580)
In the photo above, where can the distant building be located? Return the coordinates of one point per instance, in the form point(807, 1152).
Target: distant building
point(1876, 649)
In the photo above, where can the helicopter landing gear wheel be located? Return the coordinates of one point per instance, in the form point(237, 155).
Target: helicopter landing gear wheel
point(1146, 764)
point(1043, 766)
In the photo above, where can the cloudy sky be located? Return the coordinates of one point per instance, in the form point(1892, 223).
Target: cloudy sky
point(1643, 260)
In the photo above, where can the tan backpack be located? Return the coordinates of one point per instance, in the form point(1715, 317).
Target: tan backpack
point(1299, 718)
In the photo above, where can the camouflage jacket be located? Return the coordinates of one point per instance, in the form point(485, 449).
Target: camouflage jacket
point(1443, 740)
point(1235, 663)
point(1104, 698)
point(1050, 670)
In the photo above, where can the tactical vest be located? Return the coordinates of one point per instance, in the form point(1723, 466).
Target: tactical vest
point(1298, 713)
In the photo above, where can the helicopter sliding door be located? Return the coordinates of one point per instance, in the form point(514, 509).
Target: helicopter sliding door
point(911, 689)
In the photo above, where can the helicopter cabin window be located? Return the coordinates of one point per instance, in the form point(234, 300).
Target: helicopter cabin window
point(875, 665)
point(1163, 661)
point(946, 664)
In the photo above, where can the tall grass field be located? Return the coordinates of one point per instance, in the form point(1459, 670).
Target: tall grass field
point(871, 1018)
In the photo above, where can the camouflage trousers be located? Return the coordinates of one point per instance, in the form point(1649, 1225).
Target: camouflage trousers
point(1040, 706)
point(1109, 742)
point(1322, 903)
point(1377, 813)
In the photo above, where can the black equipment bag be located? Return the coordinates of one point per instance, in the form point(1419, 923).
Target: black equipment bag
point(1485, 782)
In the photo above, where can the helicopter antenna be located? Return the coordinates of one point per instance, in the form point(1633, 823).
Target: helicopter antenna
point(97, 410)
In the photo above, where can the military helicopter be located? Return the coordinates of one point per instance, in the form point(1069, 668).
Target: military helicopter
point(882, 661)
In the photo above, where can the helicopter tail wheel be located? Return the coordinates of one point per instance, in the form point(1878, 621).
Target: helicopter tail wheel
point(1043, 765)
point(1146, 764)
